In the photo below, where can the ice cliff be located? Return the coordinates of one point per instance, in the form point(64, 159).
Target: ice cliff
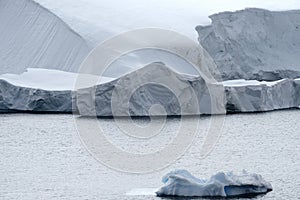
point(17, 98)
point(252, 97)
point(158, 79)
point(254, 44)
point(182, 183)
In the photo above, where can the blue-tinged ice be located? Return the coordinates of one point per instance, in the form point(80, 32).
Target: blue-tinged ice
point(183, 183)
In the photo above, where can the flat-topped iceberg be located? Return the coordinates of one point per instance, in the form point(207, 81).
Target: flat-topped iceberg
point(41, 90)
point(184, 184)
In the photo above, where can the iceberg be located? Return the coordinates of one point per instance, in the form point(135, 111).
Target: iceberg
point(42, 90)
point(184, 184)
point(265, 96)
point(21, 99)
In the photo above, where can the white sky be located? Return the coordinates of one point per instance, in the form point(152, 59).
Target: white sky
point(100, 19)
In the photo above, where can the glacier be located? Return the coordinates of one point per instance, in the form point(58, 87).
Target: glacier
point(184, 184)
point(60, 34)
point(42, 48)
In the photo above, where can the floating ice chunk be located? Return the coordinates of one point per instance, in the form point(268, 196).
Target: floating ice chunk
point(182, 183)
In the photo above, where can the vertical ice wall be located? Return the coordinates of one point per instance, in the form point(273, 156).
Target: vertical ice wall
point(254, 44)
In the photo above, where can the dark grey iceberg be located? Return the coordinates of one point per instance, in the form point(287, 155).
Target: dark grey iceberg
point(277, 95)
point(21, 99)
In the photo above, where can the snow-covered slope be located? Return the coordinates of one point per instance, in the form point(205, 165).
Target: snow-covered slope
point(32, 36)
point(254, 44)
point(60, 34)
point(182, 183)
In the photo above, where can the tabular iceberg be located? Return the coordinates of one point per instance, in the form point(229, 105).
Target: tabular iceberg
point(182, 183)
point(27, 93)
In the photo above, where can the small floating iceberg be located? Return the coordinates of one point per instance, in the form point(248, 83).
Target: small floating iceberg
point(182, 183)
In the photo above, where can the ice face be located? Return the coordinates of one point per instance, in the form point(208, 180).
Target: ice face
point(183, 183)
point(52, 90)
point(254, 44)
